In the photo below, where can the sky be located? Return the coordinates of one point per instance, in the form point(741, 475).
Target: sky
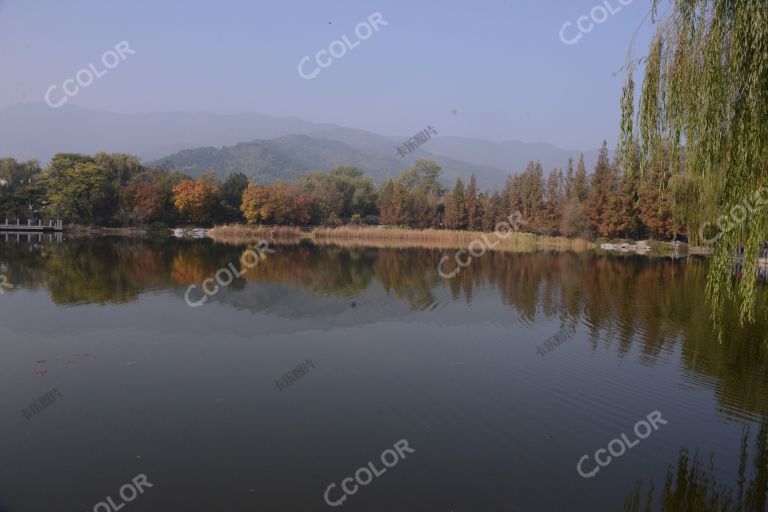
point(493, 69)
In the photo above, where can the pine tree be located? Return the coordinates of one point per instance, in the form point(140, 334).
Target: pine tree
point(489, 206)
point(483, 203)
point(512, 197)
point(553, 202)
point(472, 205)
point(532, 192)
point(497, 203)
point(455, 207)
point(568, 180)
point(580, 183)
point(392, 205)
point(573, 223)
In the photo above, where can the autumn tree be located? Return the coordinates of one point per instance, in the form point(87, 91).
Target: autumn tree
point(195, 200)
point(601, 190)
point(145, 198)
point(512, 196)
point(655, 202)
point(392, 203)
point(623, 217)
point(573, 222)
point(492, 210)
point(279, 203)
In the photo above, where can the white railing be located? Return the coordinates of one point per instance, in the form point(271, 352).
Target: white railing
point(29, 225)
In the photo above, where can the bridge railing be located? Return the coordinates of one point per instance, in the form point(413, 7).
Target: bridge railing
point(30, 223)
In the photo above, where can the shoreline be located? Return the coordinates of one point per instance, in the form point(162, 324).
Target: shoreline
point(387, 237)
point(402, 238)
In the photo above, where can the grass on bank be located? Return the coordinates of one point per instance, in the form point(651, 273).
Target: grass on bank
point(371, 236)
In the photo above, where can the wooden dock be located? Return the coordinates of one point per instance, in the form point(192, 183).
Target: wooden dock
point(30, 227)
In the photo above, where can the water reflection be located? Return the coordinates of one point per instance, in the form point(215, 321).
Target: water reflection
point(637, 336)
point(622, 300)
point(693, 484)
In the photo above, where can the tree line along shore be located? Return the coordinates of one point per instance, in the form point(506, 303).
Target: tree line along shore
point(117, 191)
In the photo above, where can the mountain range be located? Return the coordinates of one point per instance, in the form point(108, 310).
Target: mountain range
point(263, 147)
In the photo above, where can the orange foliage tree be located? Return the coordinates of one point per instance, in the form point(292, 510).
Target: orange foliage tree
point(144, 198)
point(280, 203)
point(195, 200)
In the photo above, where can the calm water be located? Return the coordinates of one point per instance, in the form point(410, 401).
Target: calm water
point(384, 350)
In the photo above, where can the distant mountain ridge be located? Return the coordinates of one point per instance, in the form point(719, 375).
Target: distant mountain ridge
point(293, 156)
point(281, 147)
point(288, 157)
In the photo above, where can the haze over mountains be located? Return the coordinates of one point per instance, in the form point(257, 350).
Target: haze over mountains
point(263, 147)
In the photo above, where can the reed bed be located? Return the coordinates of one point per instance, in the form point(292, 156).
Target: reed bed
point(444, 239)
point(384, 237)
point(240, 234)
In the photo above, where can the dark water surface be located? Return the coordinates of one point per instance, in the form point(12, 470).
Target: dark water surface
point(500, 380)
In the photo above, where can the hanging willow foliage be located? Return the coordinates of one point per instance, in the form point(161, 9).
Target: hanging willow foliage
point(704, 103)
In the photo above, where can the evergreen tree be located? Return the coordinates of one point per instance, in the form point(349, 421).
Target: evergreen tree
point(553, 203)
point(511, 196)
point(573, 223)
point(423, 192)
point(532, 192)
point(392, 203)
point(488, 206)
point(568, 180)
point(472, 205)
point(580, 182)
point(232, 196)
point(455, 207)
point(497, 204)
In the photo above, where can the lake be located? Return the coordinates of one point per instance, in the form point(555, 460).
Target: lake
point(318, 378)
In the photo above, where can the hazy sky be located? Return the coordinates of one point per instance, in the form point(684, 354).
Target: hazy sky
point(499, 64)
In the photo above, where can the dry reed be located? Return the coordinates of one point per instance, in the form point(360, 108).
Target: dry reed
point(371, 236)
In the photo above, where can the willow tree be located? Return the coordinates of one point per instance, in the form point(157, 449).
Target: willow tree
point(704, 104)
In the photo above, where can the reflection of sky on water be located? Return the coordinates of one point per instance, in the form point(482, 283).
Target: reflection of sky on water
point(451, 366)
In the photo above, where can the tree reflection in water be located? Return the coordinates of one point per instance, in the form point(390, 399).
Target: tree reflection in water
point(630, 304)
point(692, 485)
